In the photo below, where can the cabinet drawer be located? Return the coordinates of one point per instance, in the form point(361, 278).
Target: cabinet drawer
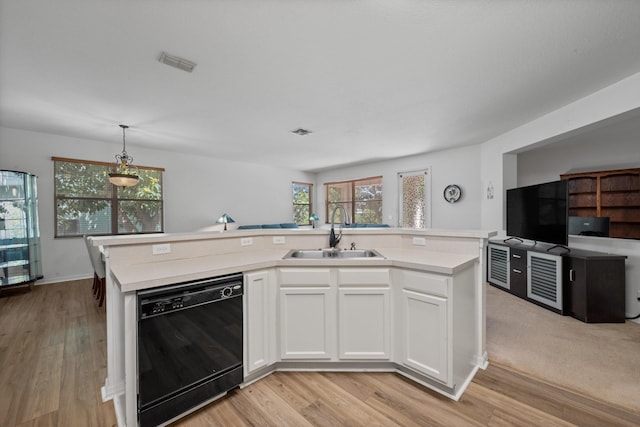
point(518, 259)
point(427, 283)
point(363, 277)
point(305, 277)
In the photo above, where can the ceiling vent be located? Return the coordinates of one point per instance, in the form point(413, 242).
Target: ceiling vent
point(301, 132)
point(177, 62)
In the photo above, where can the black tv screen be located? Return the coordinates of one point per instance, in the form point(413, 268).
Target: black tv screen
point(539, 212)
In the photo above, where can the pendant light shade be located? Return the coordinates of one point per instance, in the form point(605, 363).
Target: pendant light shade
point(123, 173)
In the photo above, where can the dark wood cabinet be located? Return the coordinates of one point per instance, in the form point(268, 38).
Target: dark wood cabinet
point(595, 285)
point(587, 285)
point(518, 272)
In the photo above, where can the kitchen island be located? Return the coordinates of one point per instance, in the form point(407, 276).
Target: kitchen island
point(418, 311)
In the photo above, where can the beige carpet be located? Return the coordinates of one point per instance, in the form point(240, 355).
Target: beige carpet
point(601, 360)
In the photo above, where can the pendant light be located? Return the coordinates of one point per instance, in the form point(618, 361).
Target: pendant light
point(123, 173)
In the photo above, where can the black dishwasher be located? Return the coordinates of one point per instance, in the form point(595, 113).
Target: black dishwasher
point(189, 346)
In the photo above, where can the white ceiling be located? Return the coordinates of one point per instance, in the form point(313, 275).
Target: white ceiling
point(372, 79)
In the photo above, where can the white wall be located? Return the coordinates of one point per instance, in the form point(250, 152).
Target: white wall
point(457, 166)
point(547, 163)
point(197, 190)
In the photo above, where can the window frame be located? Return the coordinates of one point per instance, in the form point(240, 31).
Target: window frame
point(114, 200)
point(351, 203)
point(310, 204)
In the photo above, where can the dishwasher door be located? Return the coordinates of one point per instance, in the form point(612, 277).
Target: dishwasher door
point(189, 346)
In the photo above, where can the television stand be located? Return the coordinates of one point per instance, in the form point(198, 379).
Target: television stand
point(587, 285)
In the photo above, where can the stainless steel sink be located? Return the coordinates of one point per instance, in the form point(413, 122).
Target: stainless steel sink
point(332, 253)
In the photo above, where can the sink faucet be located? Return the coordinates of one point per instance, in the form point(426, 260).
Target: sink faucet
point(333, 240)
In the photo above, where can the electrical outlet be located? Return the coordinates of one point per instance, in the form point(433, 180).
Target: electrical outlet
point(246, 241)
point(163, 248)
point(419, 241)
point(278, 240)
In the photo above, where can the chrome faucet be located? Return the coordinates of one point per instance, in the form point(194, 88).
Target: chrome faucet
point(333, 240)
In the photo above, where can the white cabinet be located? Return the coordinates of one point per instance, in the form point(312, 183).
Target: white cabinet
point(364, 313)
point(327, 313)
point(422, 323)
point(260, 320)
point(424, 326)
point(307, 314)
point(425, 334)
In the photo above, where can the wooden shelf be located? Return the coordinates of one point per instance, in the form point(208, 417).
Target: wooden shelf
point(614, 194)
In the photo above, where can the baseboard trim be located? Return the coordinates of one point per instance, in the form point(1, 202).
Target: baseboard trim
point(57, 280)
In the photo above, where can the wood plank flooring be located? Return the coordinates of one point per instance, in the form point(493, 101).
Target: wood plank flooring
point(53, 357)
point(52, 365)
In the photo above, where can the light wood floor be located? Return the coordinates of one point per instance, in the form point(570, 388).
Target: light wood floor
point(52, 364)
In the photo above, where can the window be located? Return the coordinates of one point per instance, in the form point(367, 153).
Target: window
point(87, 203)
point(362, 198)
point(302, 205)
point(415, 199)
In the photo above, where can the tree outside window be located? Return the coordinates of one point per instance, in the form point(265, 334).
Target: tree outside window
point(362, 198)
point(87, 203)
point(302, 205)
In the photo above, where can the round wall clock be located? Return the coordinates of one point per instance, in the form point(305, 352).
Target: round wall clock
point(452, 193)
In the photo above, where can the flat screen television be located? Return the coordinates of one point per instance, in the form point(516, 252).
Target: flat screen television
point(539, 212)
point(589, 226)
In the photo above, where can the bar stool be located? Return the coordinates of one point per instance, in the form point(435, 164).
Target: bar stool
point(99, 271)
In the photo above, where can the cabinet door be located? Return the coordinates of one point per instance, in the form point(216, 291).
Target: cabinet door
point(260, 321)
point(307, 323)
point(597, 288)
point(425, 334)
point(577, 287)
point(544, 279)
point(498, 266)
point(363, 331)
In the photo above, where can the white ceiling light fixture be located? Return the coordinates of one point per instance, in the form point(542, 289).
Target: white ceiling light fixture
point(301, 131)
point(123, 173)
point(177, 62)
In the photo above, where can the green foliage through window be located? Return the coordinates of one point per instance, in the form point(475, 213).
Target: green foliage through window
point(302, 205)
point(87, 203)
point(362, 198)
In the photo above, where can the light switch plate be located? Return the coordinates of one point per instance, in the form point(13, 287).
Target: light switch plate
point(278, 240)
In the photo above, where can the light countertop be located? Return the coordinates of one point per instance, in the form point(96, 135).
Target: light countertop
point(148, 275)
point(176, 237)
